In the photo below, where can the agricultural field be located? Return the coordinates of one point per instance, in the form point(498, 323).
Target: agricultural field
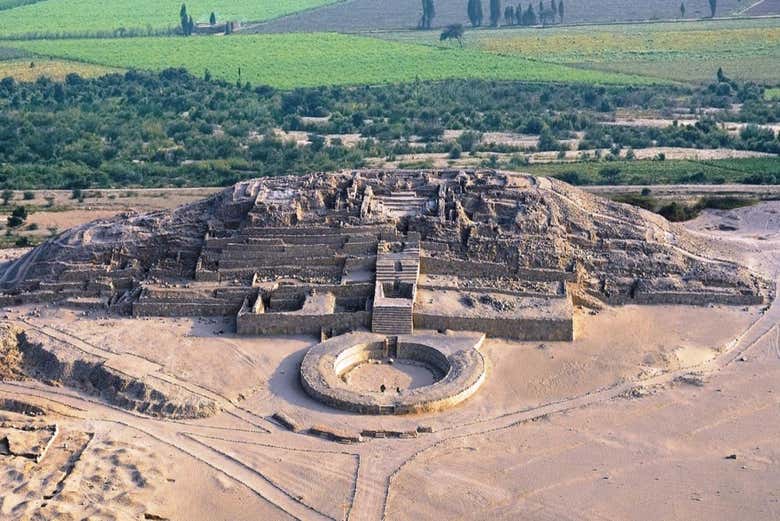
point(772, 94)
point(370, 15)
point(661, 172)
point(304, 60)
point(89, 17)
point(688, 51)
point(31, 70)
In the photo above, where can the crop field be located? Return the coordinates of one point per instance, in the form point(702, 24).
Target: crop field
point(301, 60)
point(69, 17)
point(772, 94)
point(688, 51)
point(367, 15)
point(719, 171)
point(31, 70)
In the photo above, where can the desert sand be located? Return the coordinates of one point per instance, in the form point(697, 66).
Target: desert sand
point(654, 412)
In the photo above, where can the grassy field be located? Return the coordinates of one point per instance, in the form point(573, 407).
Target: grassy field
point(687, 51)
point(88, 16)
point(772, 94)
point(31, 70)
point(300, 60)
point(11, 4)
point(663, 172)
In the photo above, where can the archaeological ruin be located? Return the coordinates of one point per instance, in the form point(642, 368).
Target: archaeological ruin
point(382, 267)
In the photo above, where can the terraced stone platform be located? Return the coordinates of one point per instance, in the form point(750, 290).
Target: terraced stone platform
point(326, 254)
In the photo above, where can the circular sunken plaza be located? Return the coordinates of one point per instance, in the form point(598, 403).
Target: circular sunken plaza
point(455, 364)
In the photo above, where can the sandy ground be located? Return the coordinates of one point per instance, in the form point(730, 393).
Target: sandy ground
point(729, 126)
point(54, 211)
point(662, 412)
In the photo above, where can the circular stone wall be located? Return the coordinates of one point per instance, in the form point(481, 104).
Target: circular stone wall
point(455, 362)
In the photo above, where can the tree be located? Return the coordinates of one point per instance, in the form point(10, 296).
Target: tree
point(59, 93)
point(560, 10)
point(546, 17)
point(495, 12)
point(682, 9)
point(7, 196)
point(185, 21)
point(213, 19)
point(18, 216)
point(475, 12)
point(554, 9)
point(529, 18)
point(713, 7)
point(519, 14)
point(429, 11)
point(453, 32)
point(509, 15)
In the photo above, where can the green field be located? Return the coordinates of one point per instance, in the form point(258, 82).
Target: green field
point(301, 60)
point(688, 51)
point(58, 17)
point(772, 94)
point(764, 170)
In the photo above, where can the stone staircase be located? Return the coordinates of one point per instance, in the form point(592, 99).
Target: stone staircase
point(396, 289)
point(403, 204)
point(404, 266)
point(392, 320)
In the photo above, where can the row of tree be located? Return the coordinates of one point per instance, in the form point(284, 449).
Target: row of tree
point(516, 15)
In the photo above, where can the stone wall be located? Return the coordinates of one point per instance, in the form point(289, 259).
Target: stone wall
point(560, 329)
point(457, 267)
point(248, 323)
point(184, 309)
point(683, 299)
